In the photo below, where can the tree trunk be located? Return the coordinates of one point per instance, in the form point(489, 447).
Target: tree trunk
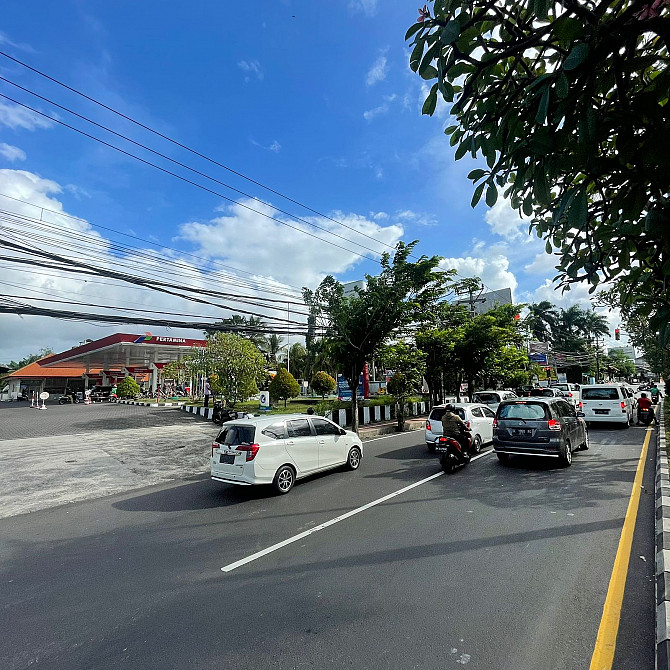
point(471, 387)
point(285, 399)
point(354, 408)
point(400, 415)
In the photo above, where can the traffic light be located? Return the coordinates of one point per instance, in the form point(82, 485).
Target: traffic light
point(617, 334)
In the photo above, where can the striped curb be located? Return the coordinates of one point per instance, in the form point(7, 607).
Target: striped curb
point(149, 404)
point(662, 548)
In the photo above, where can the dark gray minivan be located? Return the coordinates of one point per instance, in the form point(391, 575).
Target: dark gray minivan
point(539, 427)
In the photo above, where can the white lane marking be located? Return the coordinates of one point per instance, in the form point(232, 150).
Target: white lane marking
point(342, 517)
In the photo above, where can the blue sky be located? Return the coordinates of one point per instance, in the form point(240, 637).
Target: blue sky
point(315, 100)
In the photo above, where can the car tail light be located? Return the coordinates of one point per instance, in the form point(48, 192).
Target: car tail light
point(552, 424)
point(251, 449)
point(623, 406)
point(569, 395)
point(581, 404)
point(428, 428)
point(468, 425)
point(495, 423)
point(215, 445)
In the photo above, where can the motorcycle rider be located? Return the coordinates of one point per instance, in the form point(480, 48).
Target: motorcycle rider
point(655, 392)
point(454, 426)
point(644, 403)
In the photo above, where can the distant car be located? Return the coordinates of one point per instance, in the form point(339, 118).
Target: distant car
point(100, 393)
point(279, 450)
point(492, 398)
point(536, 426)
point(607, 403)
point(478, 417)
point(570, 391)
point(524, 391)
point(546, 392)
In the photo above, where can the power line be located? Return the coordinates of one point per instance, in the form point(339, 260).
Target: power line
point(179, 144)
point(196, 184)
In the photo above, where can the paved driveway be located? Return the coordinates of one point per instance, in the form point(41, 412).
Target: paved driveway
point(76, 452)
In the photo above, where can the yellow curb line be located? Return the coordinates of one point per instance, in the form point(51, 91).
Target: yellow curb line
point(603, 653)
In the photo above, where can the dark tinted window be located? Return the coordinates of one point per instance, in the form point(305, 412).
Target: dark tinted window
point(488, 414)
point(570, 409)
point(477, 412)
point(234, 435)
point(523, 410)
point(323, 427)
point(543, 393)
point(276, 431)
point(486, 398)
point(600, 394)
point(438, 413)
point(298, 428)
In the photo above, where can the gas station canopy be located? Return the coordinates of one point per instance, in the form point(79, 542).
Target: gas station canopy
point(123, 350)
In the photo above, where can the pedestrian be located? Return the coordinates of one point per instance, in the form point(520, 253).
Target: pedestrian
point(208, 392)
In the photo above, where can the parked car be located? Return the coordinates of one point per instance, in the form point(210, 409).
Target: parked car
point(547, 427)
point(100, 393)
point(478, 417)
point(280, 450)
point(607, 403)
point(492, 398)
point(570, 391)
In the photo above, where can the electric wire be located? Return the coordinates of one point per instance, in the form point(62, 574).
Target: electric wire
point(194, 183)
point(183, 146)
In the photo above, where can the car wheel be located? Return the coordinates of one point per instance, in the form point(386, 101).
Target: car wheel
point(503, 458)
point(431, 447)
point(476, 444)
point(566, 456)
point(585, 443)
point(284, 479)
point(354, 458)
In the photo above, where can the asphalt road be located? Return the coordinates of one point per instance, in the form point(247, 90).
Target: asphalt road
point(494, 567)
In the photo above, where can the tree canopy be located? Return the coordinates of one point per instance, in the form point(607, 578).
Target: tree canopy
point(567, 104)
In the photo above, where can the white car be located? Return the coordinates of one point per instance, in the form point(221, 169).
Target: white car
point(570, 391)
point(478, 417)
point(607, 403)
point(281, 449)
point(492, 398)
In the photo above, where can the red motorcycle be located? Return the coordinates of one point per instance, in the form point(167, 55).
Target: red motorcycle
point(452, 453)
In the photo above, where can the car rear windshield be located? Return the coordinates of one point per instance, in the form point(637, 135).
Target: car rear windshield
point(234, 435)
point(562, 387)
point(486, 398)
point(523, 410)
point(438, 413)
point(543, 393)
point(600, 394)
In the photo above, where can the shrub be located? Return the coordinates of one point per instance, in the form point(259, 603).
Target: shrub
point(127, 388)
point(323, 383)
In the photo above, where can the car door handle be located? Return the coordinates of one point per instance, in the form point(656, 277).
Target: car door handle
point(290, 442)
point(322, 442)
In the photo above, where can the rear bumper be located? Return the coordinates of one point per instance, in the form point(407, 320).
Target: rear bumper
point(606, 418)
point(503, 447)
point(239, 482)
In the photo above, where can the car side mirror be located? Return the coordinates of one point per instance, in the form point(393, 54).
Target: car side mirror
point(342, 431)
point(581, 414)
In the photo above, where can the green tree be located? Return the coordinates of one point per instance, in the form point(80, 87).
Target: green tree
point(127, 388)
point(567, 105)
point(234, 365)
point(251, 328)
point(284, 386)
point(322, 383)
point(17, 365)
point(298, 361)
point(541, 320)
point(408, 364)
point(356, 325)
point(272, 345)
point(618, 364)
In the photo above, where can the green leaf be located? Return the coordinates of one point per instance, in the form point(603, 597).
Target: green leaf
point(547, 247)
point(413, 30)
point(578, 210)
point(450, 32)
point(462, 149)
point(491, 195)
point(430, 102)
point(543, 107)
point(429, 72)
point(540, 189)
point(449, 129)
point(576, 57)
point(562, 85)
point(428, 58)
point(476, 197)
point(477, 174)
point(415, 57)
point(566, 28)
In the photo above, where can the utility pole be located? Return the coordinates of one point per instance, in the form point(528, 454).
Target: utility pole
point(470, 286)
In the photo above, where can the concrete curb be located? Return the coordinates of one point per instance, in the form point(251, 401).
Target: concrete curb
point(662, 486)
point(370, 431)
point(150, 404)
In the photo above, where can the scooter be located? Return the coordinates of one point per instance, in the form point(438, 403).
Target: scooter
point(654, 398)
point(68, 399)
point(452, 454)
point(221, 414)
point(644, 416)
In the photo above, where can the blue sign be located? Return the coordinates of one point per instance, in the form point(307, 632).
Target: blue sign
point(538, 358)
point(343, 390)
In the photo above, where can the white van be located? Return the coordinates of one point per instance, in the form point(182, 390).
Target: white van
point(607, 403)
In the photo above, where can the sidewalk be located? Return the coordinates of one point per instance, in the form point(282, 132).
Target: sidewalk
point(389, 427)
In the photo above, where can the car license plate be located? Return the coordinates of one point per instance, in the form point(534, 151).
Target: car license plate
point(228, 459)
point(523, 432)
point(601, 411)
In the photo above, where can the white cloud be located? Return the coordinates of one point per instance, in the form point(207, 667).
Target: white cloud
point(12, 153)
point(493, 270)
point(367, 7)
point(252, 67)
point(4, 39)
point(506, 222)
point(417, 218)
point(377, 72)
point(376, 111)
point(275, 147)
point(543, 263)
point(15, 116)
point(247, 239)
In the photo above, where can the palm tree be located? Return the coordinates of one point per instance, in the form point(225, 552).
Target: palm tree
point(272, 345)
point(594, 325)
point(541, 320)
point(249, 328)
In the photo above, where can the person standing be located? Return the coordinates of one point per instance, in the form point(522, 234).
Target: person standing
point(207, 392)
